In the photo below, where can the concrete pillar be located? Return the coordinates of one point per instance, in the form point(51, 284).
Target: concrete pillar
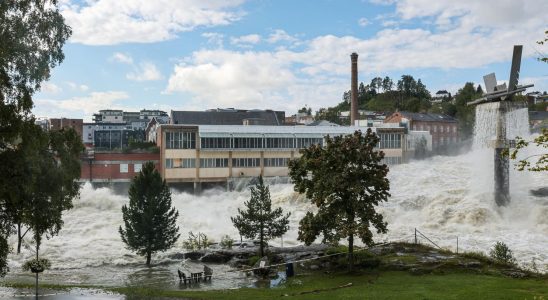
point(197, 188)
point(502, 174)
point(354, 89)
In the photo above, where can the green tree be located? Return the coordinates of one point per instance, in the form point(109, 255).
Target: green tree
point(502, 254)
point(541, 163)
point(465, 113)
point(150, 221)
point(346, 181)
point(260, 221)
point(387, 84)
point(55, 153)
point(32, 33)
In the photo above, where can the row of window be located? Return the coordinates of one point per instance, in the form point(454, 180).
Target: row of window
point(187, 140)
point(396, 160)
point(259, 143)
point(181, 140)
point(223, 162)
point(442, 129)
point(390, 141)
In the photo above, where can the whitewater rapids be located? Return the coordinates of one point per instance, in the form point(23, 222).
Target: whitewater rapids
point(444, 197)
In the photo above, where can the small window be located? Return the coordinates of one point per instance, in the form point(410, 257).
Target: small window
point(137, 168)
point(123, 168)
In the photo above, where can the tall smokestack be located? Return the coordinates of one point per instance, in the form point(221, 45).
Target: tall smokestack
point(354, 89)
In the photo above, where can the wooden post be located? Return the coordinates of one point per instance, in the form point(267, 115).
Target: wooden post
point(415, 236)
point(457, 245)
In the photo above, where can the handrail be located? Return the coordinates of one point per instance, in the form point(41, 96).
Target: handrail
point(416, 230)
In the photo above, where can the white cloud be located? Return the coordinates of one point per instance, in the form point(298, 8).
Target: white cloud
point(245, 40)
point(77, 87)
point(225, 78)
point(50, 88)
point(122, 58)
point(80, 106)
point(109, 22)
point(146, 71)
point(363, 22)
point(214, 38)
point(318, 72)
point(383, 2)
point(279, 36)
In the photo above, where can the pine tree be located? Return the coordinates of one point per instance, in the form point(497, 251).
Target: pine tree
point(150, 221)
point(345, 180)
point(259, 221)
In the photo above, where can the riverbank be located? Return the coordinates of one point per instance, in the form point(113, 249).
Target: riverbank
point(395, 271)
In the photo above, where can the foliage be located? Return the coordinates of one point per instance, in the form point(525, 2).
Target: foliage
point(226, 242)
point(196, 241)
point(4, 251)
point(32, 34)
point(260, 221)
point(541, 163)
point(149, 219)
point(44, 167)
point(37, 265)
point(502, 254)
point(543, 57)
point(345, 180)
point(305, 110)
point(465, 113)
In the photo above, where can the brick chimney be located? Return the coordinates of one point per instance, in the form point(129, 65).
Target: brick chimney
point(354, 89)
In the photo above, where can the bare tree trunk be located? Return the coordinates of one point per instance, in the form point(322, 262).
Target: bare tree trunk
point(148, 258)
point(37, 247)
point(261, 247)
point(19, 237)
point(351, 253)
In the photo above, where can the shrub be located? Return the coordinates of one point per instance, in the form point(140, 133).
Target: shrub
point(196, 241)
point(226, 242)
point(502, 254)
point(477, 255)
point(253, 260)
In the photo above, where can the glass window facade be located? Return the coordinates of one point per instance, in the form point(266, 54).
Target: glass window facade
point(389, 141)
point(180, 140)
point(276, 162)
point(246, 162)
point(172, 163)
point(213, 162)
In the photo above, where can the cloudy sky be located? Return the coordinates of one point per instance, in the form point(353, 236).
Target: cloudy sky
point(279, 54)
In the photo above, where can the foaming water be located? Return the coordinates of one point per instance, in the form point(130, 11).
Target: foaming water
point(444, 197)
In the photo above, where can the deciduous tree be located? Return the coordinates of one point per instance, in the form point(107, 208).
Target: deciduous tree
point(32, 33)
point(346, 180)
point(149, 220)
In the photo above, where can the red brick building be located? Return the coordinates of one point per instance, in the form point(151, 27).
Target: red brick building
point(443, 128)
point(60, 123)
point(114, 167)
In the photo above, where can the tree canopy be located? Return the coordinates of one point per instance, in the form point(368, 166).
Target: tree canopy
point(149, 219)
point(32, 33)
point(259, 220)
point(346, 179)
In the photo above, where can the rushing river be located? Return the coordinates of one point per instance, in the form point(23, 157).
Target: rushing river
point(445, 197)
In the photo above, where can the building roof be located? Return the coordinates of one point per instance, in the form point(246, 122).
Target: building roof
point(322, 123)
point(428, 117)
point(227, 117)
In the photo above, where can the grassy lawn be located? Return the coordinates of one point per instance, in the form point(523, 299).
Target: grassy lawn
point(384, 285)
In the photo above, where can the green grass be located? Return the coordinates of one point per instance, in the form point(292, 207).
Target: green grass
point(374, 285)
